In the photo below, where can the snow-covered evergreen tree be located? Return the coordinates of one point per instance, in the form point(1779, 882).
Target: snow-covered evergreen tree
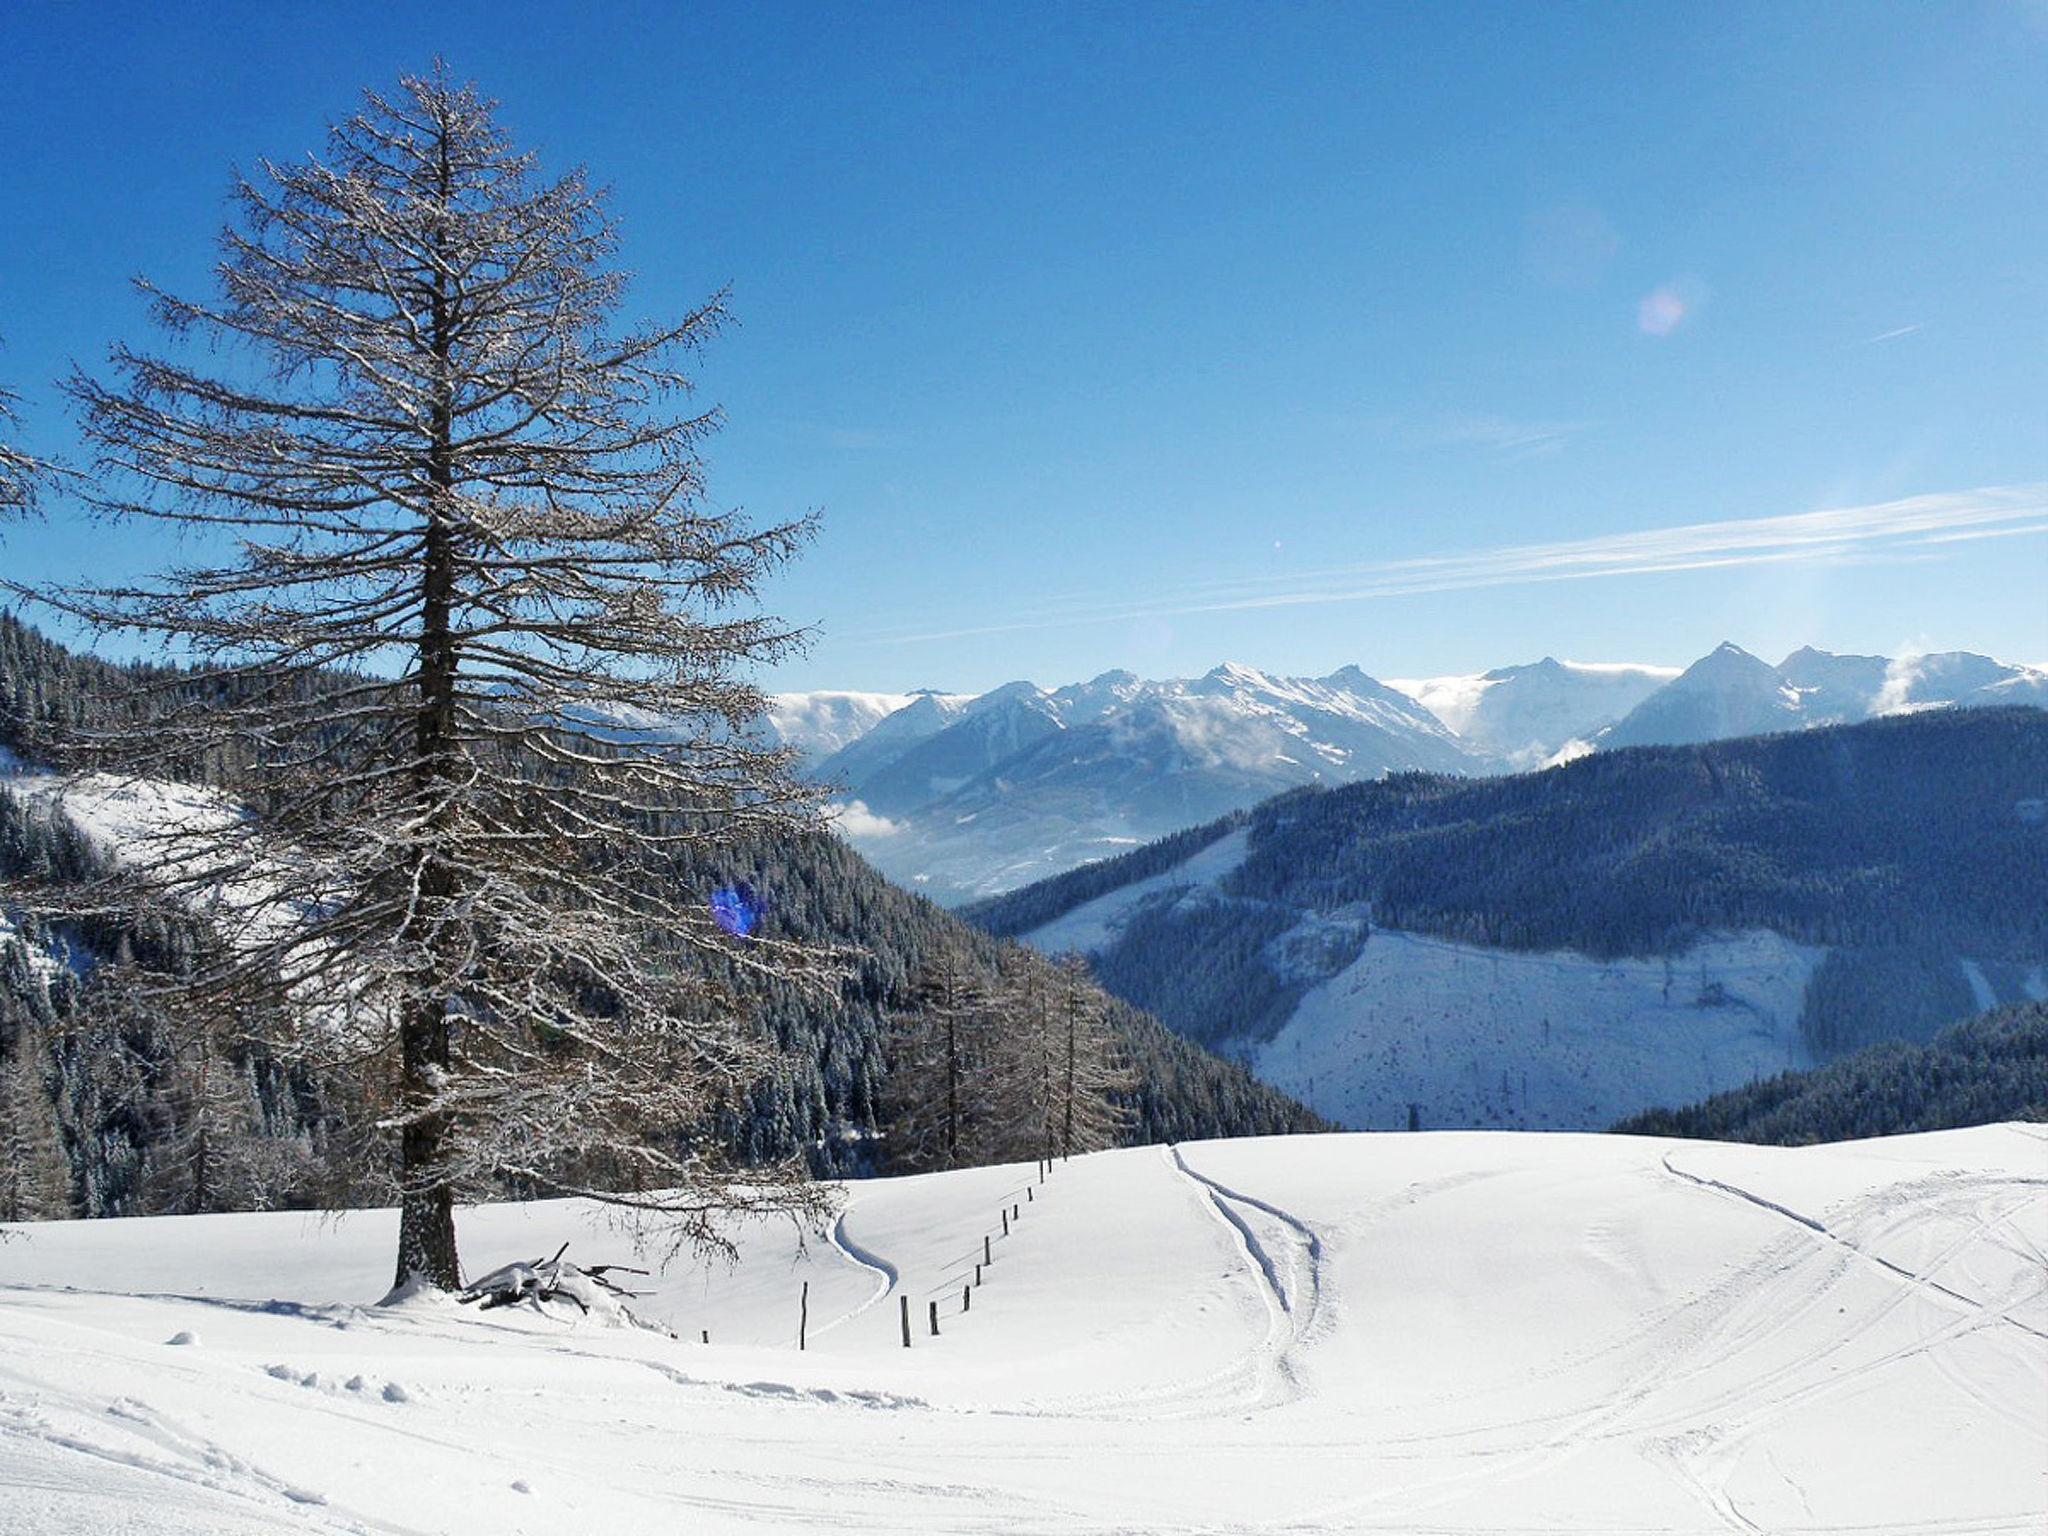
point(463, 533)
point(35, 1178)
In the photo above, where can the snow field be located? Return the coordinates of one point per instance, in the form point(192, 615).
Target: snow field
point(1538, 1041)
point(1454, 1332)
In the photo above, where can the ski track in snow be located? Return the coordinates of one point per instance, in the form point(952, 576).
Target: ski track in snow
point(1830, 1235)
point(1287, 1257)
point(1771, 1297)
point(886, 1278)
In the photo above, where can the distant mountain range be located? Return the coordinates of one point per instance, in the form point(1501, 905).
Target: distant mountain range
point(965, 796)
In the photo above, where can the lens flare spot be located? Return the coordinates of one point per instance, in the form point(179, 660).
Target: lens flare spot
point(1660, 313)
point(736, 909)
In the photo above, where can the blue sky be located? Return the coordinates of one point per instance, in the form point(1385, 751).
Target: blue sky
point(1425, 337)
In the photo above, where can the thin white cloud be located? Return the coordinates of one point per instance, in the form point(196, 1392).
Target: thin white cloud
point(1891, 335)
point(1884, 531)
point(1506, 436)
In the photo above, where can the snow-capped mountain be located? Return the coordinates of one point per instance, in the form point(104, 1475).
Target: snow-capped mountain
point(1024, 782)
point(1732, 693)
point(1527, 715)
point(821, 723)
point(964, 795)
point(927, 714)
point(1727, 692)
point(987, 730)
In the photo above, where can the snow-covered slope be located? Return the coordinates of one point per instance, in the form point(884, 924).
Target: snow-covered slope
point(1468, 1036)
point(1458, 1333)
point(1464, 948)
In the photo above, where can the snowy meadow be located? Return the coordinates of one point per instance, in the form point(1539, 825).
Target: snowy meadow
point(1447, 1332)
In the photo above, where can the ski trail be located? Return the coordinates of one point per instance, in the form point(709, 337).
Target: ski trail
point(1696, 1444)
point(1691, 1458)
point(156, 1446)
point(886, 1276)
point(1288, 1257)
point(1820, 1230)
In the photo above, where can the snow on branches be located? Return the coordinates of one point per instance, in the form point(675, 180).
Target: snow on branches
point(456, 525)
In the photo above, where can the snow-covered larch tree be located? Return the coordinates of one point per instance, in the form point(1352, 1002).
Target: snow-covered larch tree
point(941, 1087)
point(1060, 1073)
point(463, 542)
point(1088, 1073)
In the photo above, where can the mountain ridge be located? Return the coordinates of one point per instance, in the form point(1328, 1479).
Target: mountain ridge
point(966, 796)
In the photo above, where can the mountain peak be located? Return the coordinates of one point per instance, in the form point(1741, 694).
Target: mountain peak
point(1352, 676)
point(1235, 674)
point(1728, 659)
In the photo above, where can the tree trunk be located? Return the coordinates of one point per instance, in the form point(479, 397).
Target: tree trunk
point(952, 1090)
point(426, 1221)
point(1067, 1125)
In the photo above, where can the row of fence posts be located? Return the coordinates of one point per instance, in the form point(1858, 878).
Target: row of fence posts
point(1009, 1213)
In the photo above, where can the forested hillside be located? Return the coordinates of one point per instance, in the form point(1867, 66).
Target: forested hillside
point(1899, 868)
point(104, 1085)
point(1921, 828)
point(1976, 1072)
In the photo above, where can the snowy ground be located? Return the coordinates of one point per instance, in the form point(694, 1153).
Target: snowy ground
point(1457, 1332)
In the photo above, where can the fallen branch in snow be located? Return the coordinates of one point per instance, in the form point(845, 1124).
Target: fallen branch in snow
point(543, 1280)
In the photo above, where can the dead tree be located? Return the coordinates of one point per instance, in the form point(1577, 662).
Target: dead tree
point(453, 532)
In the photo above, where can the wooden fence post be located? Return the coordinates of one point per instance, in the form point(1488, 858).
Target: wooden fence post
point(1028, 1195)
point(966, 1298)
point(803, 1317)
point(1006, 1223)
point(986, 1256)
point(707, 1335)
point(977, 1274)
point(935, 1319)
point(905, 1300)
